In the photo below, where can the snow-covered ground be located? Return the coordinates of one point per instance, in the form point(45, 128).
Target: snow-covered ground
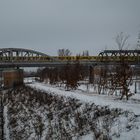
point(43, 111)
point(132, 105)
point(120, 129)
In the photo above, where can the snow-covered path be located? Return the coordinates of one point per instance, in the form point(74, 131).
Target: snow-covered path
point(6, 129)
point(102, 100)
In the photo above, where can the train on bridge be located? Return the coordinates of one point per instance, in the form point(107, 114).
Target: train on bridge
point(26, 57)
point(68, 58)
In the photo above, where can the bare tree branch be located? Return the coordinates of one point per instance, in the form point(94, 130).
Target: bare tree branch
point(121, 40)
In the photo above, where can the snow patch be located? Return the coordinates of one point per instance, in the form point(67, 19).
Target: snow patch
point(103, 100)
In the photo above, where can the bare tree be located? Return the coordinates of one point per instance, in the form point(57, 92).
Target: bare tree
point(64, 52)
point(73, 75)
point(121, 40)
point(102, 79)
point(123, 71)
point(138, 41)
point(119, 78)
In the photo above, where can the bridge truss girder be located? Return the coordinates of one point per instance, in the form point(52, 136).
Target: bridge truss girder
point(10, 53)
point(118, 54)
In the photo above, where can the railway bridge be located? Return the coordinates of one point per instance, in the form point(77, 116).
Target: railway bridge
point(18, 57)
point(14, 58)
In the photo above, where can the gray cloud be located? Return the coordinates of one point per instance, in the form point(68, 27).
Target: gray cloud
point(47, 25)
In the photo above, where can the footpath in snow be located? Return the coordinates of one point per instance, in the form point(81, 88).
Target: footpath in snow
point(132, 105)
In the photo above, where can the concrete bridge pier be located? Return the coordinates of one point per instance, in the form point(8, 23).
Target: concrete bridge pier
point(12, 77)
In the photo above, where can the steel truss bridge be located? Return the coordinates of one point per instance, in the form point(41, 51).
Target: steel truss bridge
point(17, 57)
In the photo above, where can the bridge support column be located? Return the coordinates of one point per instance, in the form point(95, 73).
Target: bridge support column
point(12, 78)
point(91, 74)
point(135, 87)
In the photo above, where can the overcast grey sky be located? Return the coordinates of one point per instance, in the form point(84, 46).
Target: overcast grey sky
point(48, 25)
